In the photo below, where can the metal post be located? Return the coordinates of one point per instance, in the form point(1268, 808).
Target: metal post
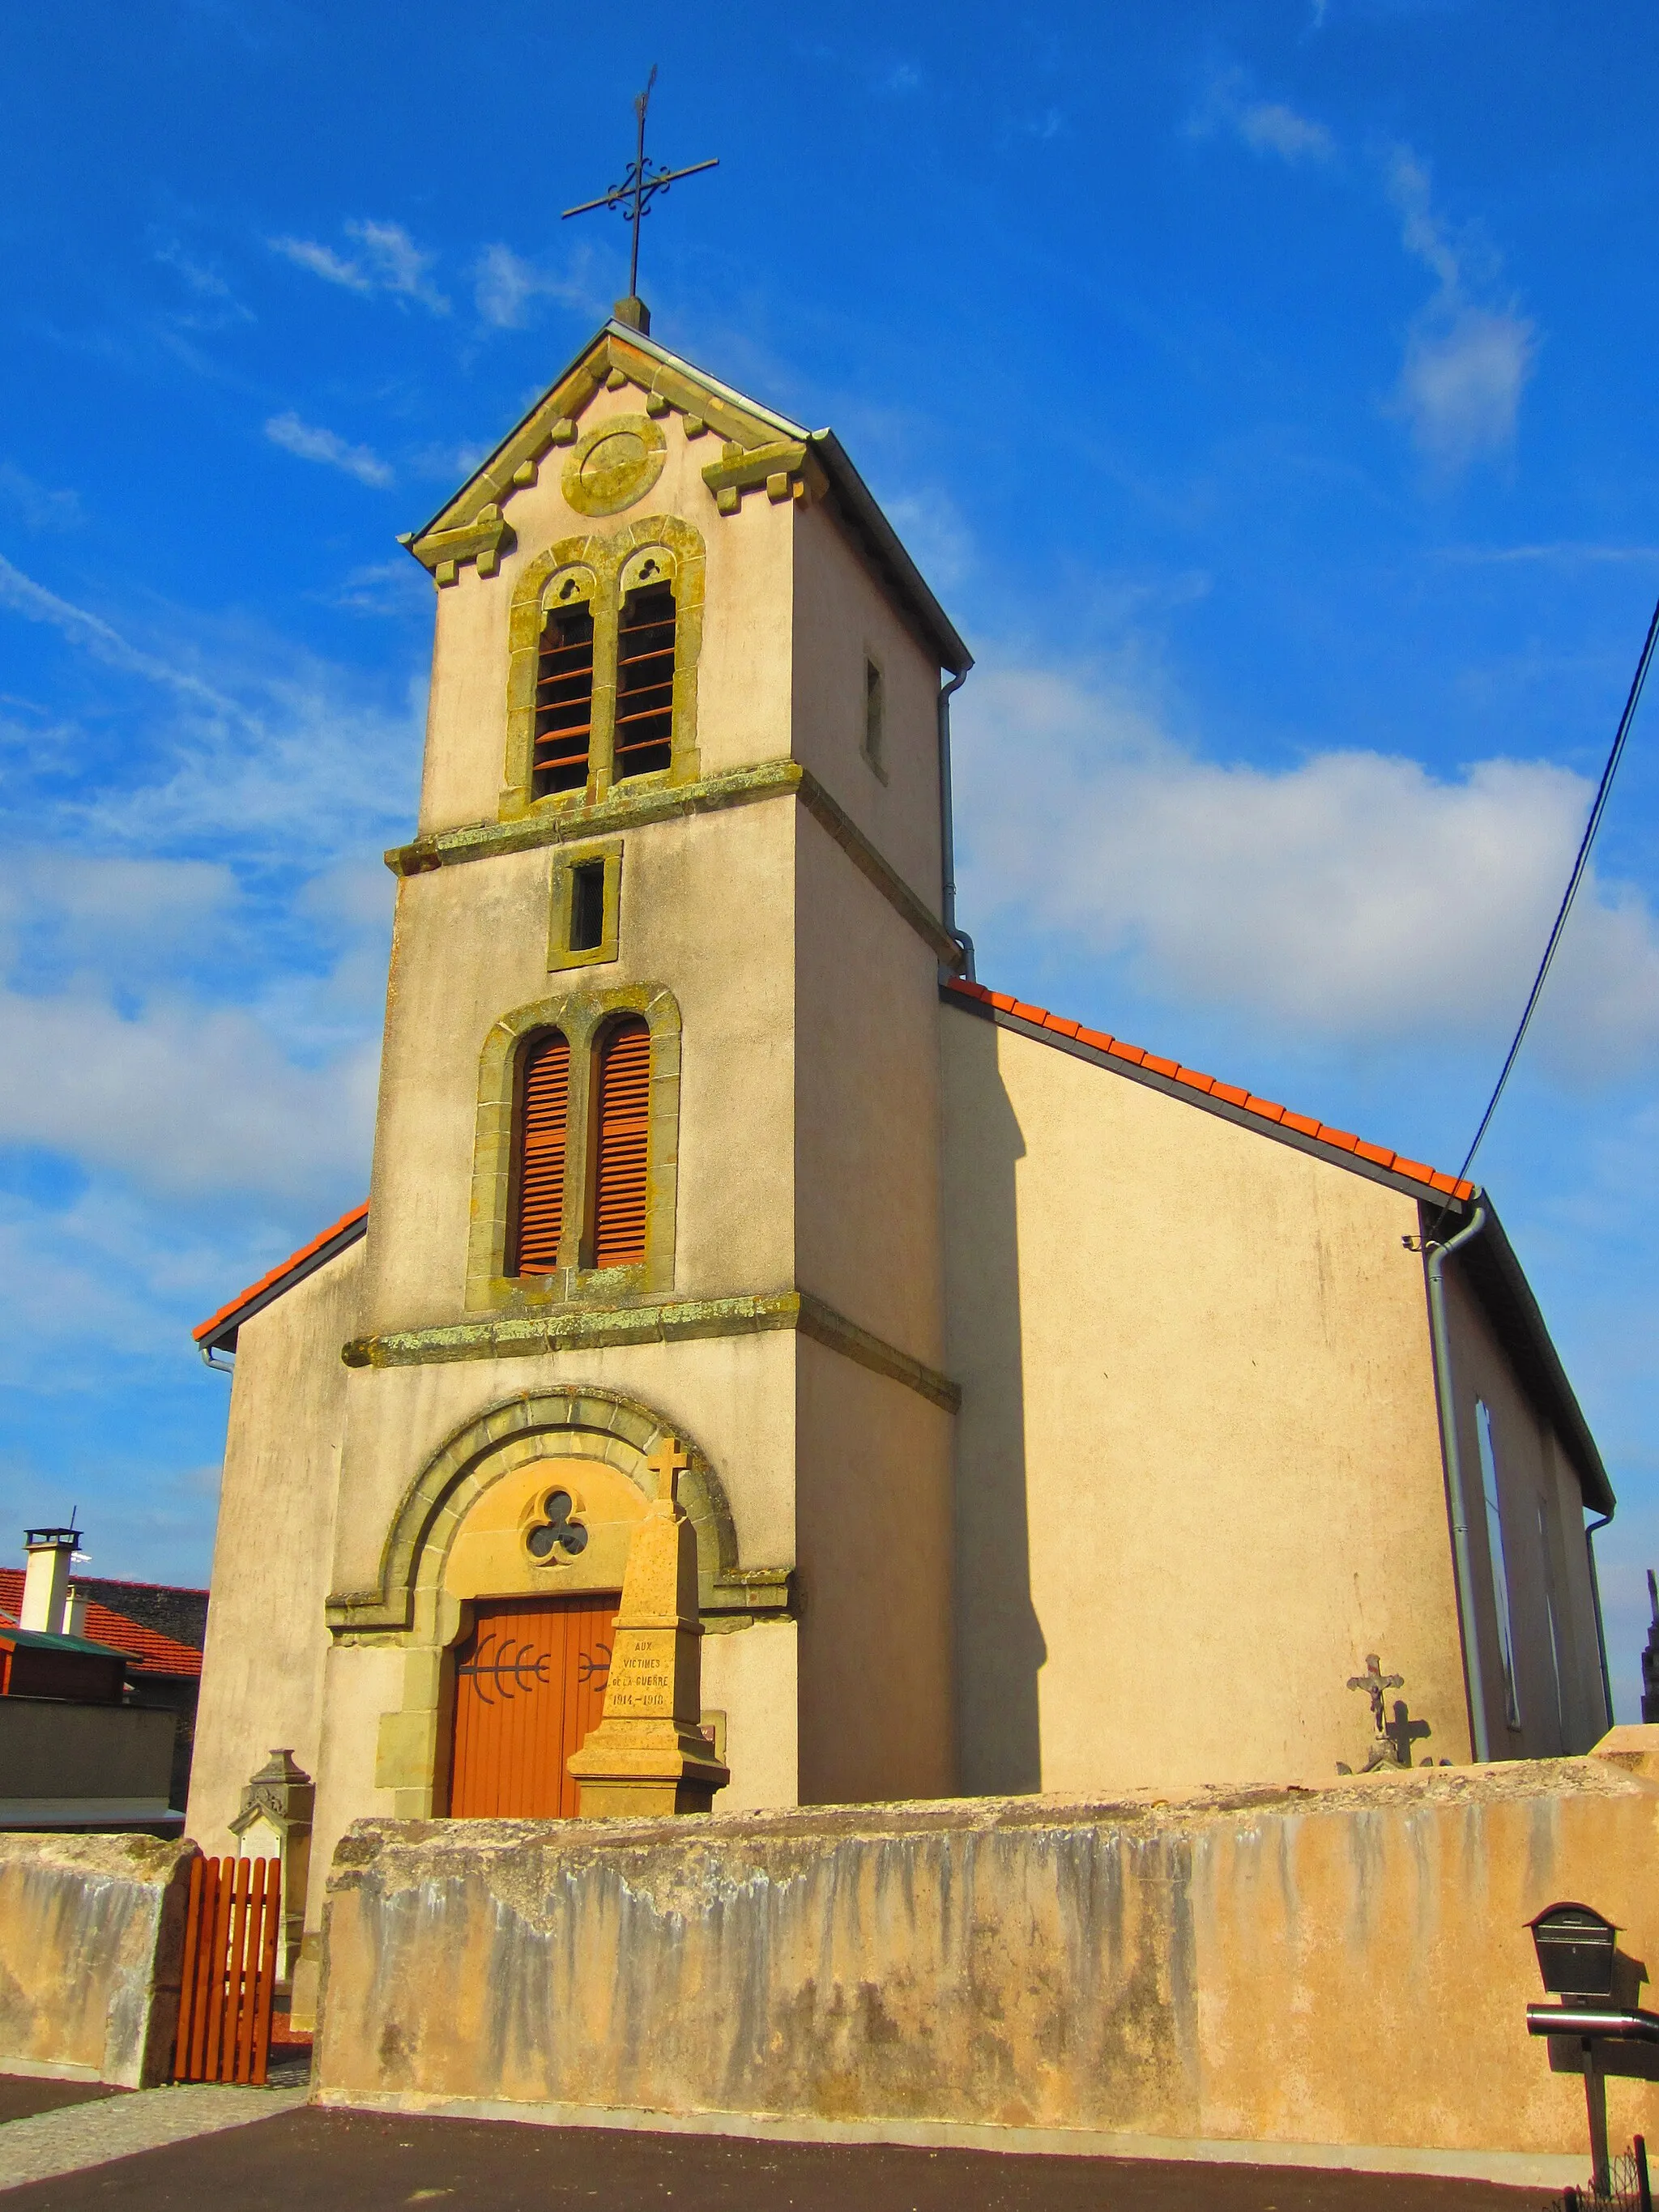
point(1643, 2186)
point(1596, 2096)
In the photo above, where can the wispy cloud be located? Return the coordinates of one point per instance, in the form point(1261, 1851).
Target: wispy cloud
point(35, 505)
point(32, 601)
point(387, 260)
point(1567, 555)
point(1468, 355)
point(312, 444)
point(1266, 126)
point(507, 288)
point(206, 283)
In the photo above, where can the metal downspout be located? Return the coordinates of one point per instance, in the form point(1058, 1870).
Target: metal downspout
point(1436, 1256)
point(1591, 1528)
point(947, 832)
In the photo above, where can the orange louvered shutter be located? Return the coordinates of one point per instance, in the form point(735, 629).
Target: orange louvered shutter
point(543, 1120)
point(624, 1115)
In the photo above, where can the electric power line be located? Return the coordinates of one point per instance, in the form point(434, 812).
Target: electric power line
point(1579, 867)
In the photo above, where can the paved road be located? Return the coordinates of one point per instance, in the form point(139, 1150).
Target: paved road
point(315, 2161)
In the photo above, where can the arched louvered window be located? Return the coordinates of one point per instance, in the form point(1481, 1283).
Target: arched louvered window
point(564, 701)
point(543, 1116)
point(623, 1116)
point(645, 683)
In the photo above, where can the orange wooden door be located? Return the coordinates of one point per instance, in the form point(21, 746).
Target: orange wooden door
point(529, 1685)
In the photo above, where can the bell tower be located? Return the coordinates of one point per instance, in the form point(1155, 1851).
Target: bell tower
point(657, 1146)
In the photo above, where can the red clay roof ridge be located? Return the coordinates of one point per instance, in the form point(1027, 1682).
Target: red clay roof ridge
point(274, 1274)
point(1265, 1110)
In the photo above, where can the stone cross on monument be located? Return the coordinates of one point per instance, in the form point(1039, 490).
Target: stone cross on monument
point(648, 1754)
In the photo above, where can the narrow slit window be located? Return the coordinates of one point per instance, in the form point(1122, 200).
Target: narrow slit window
point(588, 907)
point(1500, 1578)
point(645, 683)
point(873, 734)
point(543, 1118)
point(624, 1116)
point(564, 703)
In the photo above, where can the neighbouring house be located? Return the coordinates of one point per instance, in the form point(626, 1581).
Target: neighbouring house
point(113, 1649)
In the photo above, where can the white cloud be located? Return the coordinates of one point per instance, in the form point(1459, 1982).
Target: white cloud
point(1353, 897)
point(311, 444)
point(1266, 126)
point(1467, 357)
point(293, 766)
point(388, 261)
point(36, 507)
point(506, 287)
point(180, 1097)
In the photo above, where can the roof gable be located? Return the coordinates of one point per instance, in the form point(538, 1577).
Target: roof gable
point(218, 1332)
point(757, 447)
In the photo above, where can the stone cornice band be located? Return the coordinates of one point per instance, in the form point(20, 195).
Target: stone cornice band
point(778, 779)
point(668, 1321)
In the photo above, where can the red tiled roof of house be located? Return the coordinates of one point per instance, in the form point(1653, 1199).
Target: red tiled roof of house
point(148, 1648)
point(269, 1281)
point(1246, 1101)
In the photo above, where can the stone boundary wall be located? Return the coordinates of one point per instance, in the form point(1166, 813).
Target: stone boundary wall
point(1341, 1965)
point(92, 1932)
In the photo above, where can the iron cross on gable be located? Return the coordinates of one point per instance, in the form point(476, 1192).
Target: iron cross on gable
point(668, 1463)
point(633, 198)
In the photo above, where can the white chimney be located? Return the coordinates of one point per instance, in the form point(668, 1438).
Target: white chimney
point(74, 1612)
point(45, 1582)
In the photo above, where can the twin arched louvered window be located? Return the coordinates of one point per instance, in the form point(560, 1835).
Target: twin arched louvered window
point(642, 730)
point(614, 1235)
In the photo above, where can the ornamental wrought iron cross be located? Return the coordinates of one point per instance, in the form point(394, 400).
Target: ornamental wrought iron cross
point(632, 198)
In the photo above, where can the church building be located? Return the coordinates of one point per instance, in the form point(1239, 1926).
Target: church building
point(1058, 1418)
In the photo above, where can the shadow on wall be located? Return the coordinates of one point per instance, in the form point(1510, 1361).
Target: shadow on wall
point(1000, 1643)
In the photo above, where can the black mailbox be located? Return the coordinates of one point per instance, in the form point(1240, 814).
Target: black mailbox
point(1575, 1947)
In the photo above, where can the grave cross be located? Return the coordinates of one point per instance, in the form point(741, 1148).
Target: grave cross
point(668, 1463)
point(1374, 1681)
point(633, 198)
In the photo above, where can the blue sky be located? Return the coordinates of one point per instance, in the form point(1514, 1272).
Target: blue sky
point(1267, 389)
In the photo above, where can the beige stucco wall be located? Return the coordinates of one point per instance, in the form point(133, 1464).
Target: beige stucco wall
point(873, 1474)
point(1346, 1965)
point(840, 618)
point(262, 1669)
point(1198, 1463)
point(1544, 1551)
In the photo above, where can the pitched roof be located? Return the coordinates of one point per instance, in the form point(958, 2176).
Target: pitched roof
point(105, 1629)
point(1243, 1105)
point(757, 436)
point(218, 1332)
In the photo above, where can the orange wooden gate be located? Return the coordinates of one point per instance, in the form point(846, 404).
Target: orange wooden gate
point(529, 1685)
point(229, 1970)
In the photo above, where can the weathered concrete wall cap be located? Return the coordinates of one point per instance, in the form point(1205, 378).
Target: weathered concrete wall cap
point(91, 1935)
point(1339, 1966)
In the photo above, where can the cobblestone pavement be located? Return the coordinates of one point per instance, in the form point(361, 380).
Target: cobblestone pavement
point(335, 2161)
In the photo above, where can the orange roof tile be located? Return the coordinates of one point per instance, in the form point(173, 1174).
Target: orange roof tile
point(268, 1281)
point(148, 1648)
point(1265, 1110)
